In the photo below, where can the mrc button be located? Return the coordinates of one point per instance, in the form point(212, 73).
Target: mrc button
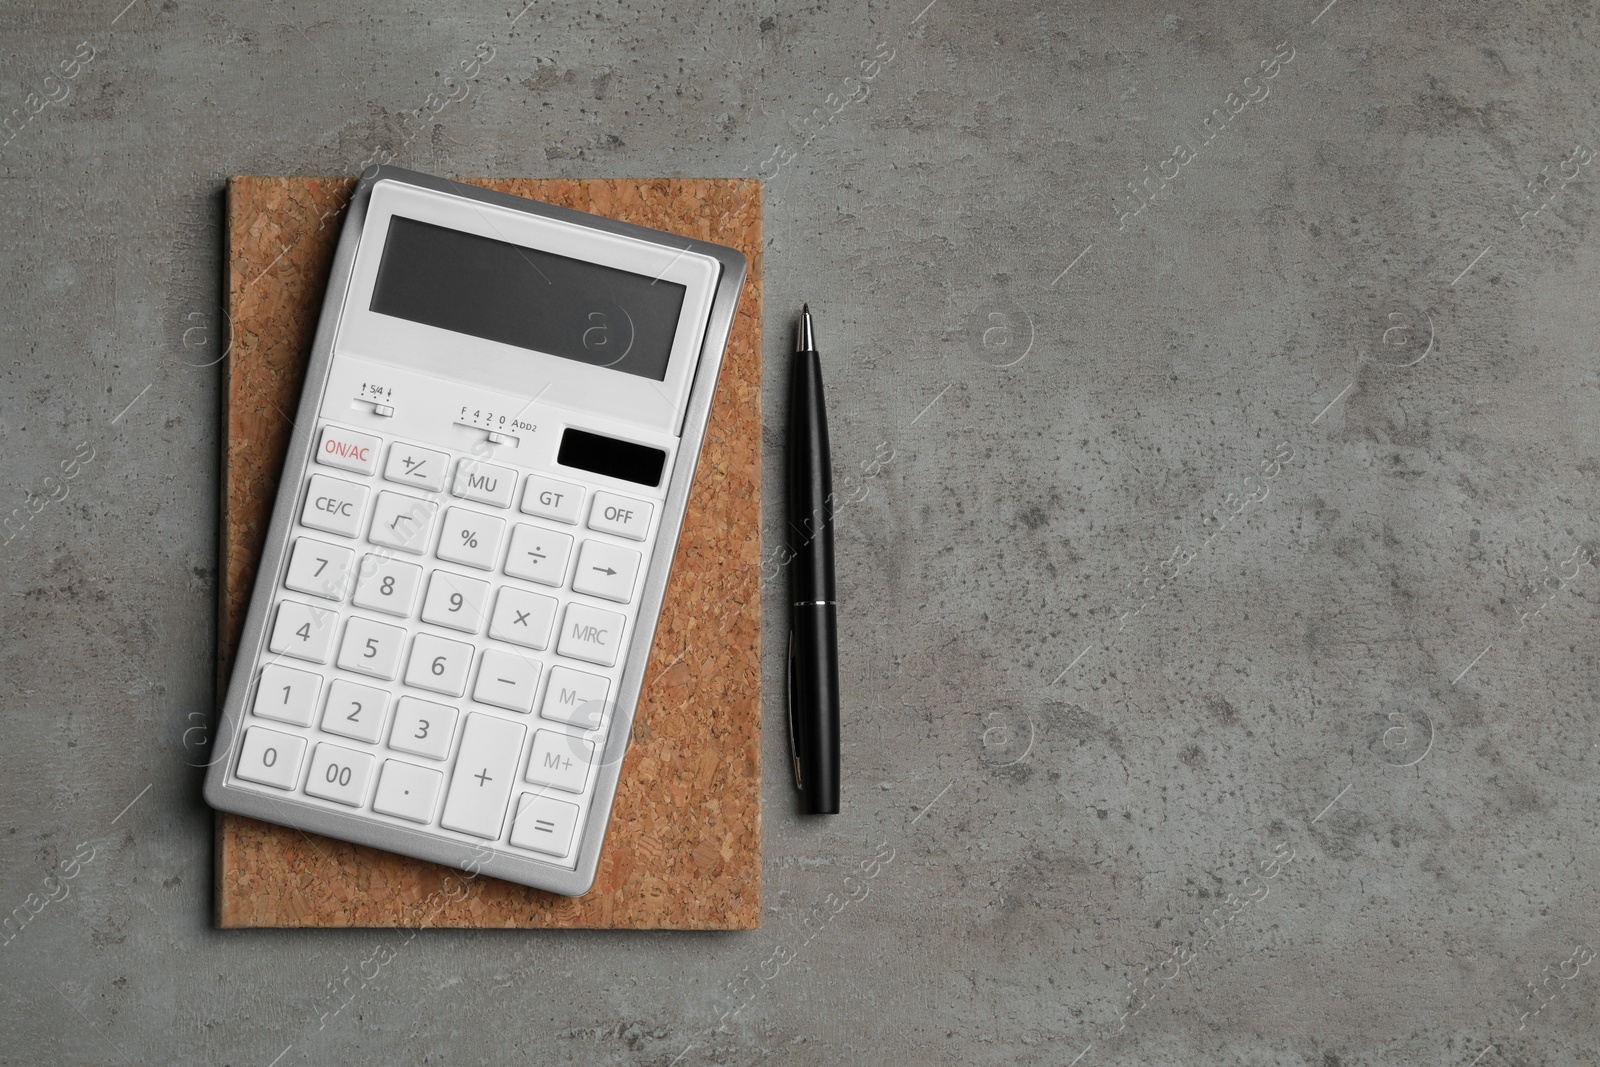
point(620, 515)
point(348, 450)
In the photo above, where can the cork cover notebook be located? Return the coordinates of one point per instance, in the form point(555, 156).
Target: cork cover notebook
point(684, 848)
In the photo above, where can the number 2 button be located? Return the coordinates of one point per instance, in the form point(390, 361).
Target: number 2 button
point(371, 648)
point(355, 711)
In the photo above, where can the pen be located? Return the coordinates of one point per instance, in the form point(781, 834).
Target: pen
point(813, 634)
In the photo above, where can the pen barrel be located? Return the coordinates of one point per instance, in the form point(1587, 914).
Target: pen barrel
point(815, 684)
point(817, 689)
point(810, 482)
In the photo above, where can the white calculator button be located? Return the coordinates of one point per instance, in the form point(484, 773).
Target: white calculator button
point(523, 618)
point(287, 695)
point(348, 450)
point(402, 522)
point(591, 634)
point(407, 791)
point(620, 515)
point(304, 632)
point(544, 825)
point(270, 758)
point(339, 774)
point(551, 499)
point(355, 711)
point(471, 538)
point(539, 555)
point(575, 698)
point(334, 505)
point(484, 482)
point(372, 648)
point(485, 768)
point(456, 601)
point(605, 570)
point(439, 665)
point(506, 680)
point(560, 761)
point(422, 468)
point(422, 728)
point(387, 585)
point(319, 568)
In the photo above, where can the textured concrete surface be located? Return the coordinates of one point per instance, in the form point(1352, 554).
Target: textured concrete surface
point(1220, 616)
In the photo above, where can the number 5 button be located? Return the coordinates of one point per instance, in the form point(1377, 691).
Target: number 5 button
point(372, 648)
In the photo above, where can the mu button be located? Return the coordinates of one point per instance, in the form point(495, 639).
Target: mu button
point(591, 635)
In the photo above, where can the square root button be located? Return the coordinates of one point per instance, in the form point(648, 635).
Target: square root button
point(544, 825)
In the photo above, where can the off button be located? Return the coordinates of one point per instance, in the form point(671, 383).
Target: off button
point(620, 515)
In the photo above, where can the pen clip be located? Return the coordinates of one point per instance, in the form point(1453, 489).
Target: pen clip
point(794, 740)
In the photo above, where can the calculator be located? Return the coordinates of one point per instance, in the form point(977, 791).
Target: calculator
point(472, 537)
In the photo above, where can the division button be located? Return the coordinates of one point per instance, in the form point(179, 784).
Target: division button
point(348, 450)
point(539, 555)
point(485, 768)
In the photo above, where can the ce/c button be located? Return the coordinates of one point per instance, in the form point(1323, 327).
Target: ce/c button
point(334, 506)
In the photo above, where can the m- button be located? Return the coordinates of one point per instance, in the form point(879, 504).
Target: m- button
point(620, 515)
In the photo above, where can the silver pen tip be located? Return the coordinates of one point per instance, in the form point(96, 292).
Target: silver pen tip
point(804, 341)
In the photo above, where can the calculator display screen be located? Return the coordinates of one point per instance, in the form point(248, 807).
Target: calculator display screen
point(524, 297)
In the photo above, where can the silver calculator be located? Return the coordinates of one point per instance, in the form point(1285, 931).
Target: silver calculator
point(472, 537)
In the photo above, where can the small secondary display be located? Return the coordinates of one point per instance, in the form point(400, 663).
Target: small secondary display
point(528, 298)
point(591, 452)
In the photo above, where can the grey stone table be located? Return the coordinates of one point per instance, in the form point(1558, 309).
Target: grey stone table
point(1217, 387)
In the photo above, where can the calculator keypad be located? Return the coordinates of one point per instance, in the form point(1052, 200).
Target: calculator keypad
point(439, 658)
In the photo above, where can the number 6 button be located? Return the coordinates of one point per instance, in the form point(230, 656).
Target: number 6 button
point(439, 665)
point(371, 648)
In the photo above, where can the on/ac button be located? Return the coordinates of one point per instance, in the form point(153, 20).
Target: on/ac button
point(348, 450)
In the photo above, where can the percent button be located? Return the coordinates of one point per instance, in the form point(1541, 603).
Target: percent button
point(470, 538)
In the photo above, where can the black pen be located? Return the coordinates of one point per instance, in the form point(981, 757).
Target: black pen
point(813, 635)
